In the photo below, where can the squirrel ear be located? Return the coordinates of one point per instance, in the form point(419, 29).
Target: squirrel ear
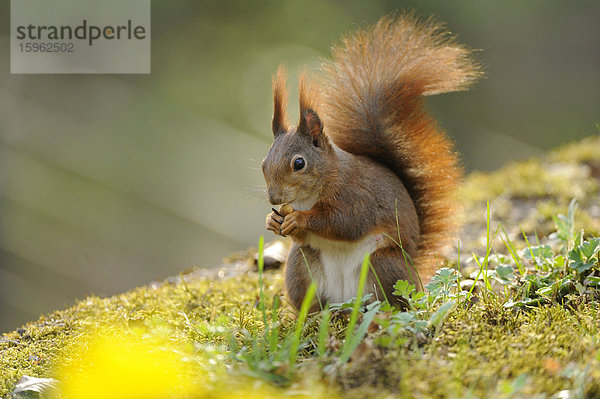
point(280, 123)
point(311, 124)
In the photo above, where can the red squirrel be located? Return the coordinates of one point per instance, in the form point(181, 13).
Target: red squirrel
point(367, 170)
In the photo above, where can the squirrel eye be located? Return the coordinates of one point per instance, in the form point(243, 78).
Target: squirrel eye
point(299, 164)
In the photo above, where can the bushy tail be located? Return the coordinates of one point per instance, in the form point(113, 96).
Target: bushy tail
point(373, 105)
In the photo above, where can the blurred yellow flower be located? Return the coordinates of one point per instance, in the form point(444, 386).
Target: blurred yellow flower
point(127, 367)
point(137, 365)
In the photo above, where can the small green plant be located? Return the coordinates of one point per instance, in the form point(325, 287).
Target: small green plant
point(565, 225)
point(584, 257)
point(550, 273)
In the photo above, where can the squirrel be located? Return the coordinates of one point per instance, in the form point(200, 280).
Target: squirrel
point(367, 170)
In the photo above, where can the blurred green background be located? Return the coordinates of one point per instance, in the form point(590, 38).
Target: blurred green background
point(112, 181)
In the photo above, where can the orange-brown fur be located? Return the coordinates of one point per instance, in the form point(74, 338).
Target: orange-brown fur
point(280, 99)
point(375, 83)
point(378, 169)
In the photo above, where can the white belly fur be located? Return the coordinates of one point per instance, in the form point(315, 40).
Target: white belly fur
point(341, 265)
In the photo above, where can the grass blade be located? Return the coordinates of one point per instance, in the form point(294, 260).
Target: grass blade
point(308, 299)
point(352, 343)
point(261, 286)
point(379, 284)
point(362, 280)
point(323, 331)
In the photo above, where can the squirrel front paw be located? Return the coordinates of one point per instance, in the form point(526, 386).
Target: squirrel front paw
point(274, 221)
point(291, 223)
point(285, 221)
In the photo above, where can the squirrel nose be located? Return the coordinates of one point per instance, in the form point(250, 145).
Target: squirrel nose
point(274, 198)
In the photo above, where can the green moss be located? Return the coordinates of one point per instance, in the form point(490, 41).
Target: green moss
point(184, 308)
point(584, 151)
point(526, 195)
point(480, 350)
point(532, 179)
point(483, 350)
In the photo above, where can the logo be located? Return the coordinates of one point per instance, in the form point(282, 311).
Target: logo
point(80, 36)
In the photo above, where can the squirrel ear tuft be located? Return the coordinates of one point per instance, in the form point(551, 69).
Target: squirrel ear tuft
point(280, 123)
point(311, 124)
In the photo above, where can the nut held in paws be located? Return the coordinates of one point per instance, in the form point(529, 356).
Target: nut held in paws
point(286, 209)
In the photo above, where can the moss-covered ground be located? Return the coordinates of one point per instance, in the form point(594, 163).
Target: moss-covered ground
point(529, 328)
